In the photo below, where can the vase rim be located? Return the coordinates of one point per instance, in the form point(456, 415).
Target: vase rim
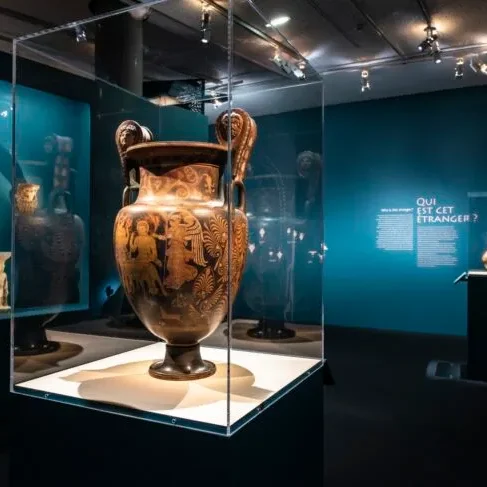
point(208, 152)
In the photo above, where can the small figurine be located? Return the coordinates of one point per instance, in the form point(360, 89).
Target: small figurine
point(4, 256)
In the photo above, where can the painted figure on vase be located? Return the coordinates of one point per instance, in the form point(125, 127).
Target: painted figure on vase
point(143, 253)
point(26, 200)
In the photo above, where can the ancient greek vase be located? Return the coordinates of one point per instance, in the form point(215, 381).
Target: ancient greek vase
point(172, 244)
point(48, 244)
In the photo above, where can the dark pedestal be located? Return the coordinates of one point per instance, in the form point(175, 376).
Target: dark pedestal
point(88, 447)
point(271, 330)
point(30, 337)
point(477, 326)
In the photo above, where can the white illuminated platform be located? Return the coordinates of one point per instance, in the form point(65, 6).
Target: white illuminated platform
point(123, 380)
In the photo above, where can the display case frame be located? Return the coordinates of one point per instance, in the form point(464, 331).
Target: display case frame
point(246, 381)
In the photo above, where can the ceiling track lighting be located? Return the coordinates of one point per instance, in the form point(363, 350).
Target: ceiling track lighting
point(436, 51)
point(430, 45)
point(459, 68)
point(478, 65)
point(365, 81)
point(141, 13)
point(80, 34)
point(278, 21)
point(205, 26)
point(431, 36)
point(289, 67)
point(217, 99)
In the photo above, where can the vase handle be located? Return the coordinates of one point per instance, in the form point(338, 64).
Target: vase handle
point(241, 204)
point(243, 136)
point(55, 196)
point(128, 134)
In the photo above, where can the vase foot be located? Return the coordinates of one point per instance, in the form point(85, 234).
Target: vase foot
point(182, 363)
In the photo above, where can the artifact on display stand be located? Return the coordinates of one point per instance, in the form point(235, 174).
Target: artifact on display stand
point(4, 256)
point(484, 259)
point(285, 211)
point(48, 246)
point(269, 270)
point(172, 244)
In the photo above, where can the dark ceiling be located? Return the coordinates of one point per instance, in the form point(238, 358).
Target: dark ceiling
point(338, 38)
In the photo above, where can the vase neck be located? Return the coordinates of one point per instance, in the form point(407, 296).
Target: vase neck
point(191, 183)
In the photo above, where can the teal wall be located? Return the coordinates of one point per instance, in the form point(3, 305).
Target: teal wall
point(387, 154)
point(177, 123)
point(384, 155)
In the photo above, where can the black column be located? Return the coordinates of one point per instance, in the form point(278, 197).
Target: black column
point(118, 47)
point(477, 329)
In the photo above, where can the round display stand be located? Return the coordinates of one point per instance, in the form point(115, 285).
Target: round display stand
point(271, 330)
point(30, 337)
point(36, 349)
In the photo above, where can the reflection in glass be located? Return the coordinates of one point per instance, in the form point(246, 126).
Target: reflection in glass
point(285, 249)
point(48, 245)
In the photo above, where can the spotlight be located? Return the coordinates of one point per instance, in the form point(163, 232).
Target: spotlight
point(4, 114)
point(478, 66)
point(206, 36)
point(431, 44)
point(277, 21)
point(424, 46)
point(277, 58)
point(459, 68)
point(141, 13)
point(289, 67)
point(80, 34)
point(365, 81)
point(217, 99)
point(431, 37)
point(298, 72)
point(435, 49)
point(205, 24)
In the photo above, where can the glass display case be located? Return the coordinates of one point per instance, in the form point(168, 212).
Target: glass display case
point(162, 229)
